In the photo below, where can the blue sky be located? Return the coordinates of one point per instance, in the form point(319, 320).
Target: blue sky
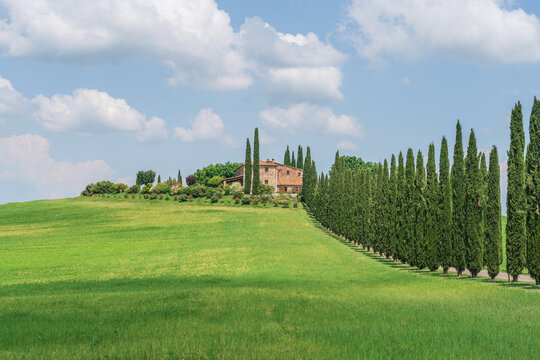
point(92, 91)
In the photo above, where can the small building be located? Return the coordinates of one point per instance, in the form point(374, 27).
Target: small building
point(283, 177)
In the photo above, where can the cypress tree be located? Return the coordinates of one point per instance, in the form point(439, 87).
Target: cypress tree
point(533, 194)
point(515, 200)
point(432, 215)
point(306, 186)
point(492, 225)
point(256, 159)
point(483, 199)
point(179, 179)
point(247, 169)
point(287, 157)
point(420, 207)
point(402, 214)
point(393, 208)
point(445, 211)
point(473, 195)
point(159, 179)
point(293, 160)
point(300, 158)
point(458, 204)
point(367, 210)
point(410, 210)
point(384, 231)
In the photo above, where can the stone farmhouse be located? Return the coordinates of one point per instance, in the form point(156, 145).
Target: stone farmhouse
point(283, 177)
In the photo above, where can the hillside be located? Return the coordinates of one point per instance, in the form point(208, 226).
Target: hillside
point(98, 278)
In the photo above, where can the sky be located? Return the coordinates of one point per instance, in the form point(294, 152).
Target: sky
point(94, 91)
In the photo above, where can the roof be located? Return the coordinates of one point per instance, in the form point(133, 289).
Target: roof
point(295, 181)
point(270, 163)
point(239, 177)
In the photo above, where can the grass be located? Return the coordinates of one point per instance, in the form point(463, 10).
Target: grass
point(114, 278)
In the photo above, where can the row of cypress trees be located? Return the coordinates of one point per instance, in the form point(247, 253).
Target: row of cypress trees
point(414, 214)
point(248, 188)
point(290, 160)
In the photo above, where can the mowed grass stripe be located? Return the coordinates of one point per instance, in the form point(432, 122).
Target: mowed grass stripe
point(97, 278)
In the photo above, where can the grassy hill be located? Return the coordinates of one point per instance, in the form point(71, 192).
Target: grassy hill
point(111, 278)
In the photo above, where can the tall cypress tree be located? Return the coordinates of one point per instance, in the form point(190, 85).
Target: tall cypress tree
point(492, 224)
point(247, 169)
point(473, 197)
point(458, 204)
point(159, 179)
point(306, 186)
point(420, 207)
point(533, 194)
point(293, 160)
point(300, 158)
point(287, 157)
point(483, 199)
point(515, 200)
point(410, 209)
point(256, 159)
point(179, 179)
point(432, 215)
point(385, 212)
point(401, 216)
point(445, 211)
point(393, 205)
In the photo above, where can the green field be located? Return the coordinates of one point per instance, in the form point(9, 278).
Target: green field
point(110, 278)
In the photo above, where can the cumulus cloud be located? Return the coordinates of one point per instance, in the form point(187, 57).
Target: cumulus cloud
point(12, 103)
point(473, 30)
point(194, 38)
point(314, 118)
point(26, 158)
point(206, 126)
point(347, 145)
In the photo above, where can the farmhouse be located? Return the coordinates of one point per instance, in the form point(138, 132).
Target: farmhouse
point(283, 177)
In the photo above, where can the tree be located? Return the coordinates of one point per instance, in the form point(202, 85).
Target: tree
point(445, 211)
point(145, 177)
point(474, 256)
point(432, 214)
point(190, 180)
point(215, 181)
point(287, 157)
point(483, 199)
point(179, 178)
point(293, 160)
point(225, 170)
point(300, 158)
point(393, 206)
point(420, 207)
point(410, 211)
point(492, 225)
point(356, 163)
point(308, 189)
point(247, 169)
point(515, 199)
point(532, 192)
point(402, 211)
point(458, 204)
point(256, 159)
point(159, 179)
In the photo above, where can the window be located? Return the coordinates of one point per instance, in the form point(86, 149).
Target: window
point(266, 169)
point(266, 182)
point(285, 188)
point(298, 174)
point(297, 188)
point(288, 172)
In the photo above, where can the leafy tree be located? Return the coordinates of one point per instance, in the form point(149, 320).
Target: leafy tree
point(533, 193)
point(473, 196)
point(458, 204)
point(224, 170)
point(190, 180)
point(134, 189)
point(445, 210)
point(247, 169)
point(421, 208)
point(215, 181)
point(515, 200)
point(161, 188)
point(300, 158)
point(356, 163)
point(145, 177)
point(256, 159)
point(287, 157)
point(432, 214)
point(492, 226)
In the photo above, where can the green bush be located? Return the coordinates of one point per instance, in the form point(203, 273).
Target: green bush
point(295, 204)
point(161, 188)
point(134, 189)
point(210, 191)
point(215, 181)
point(198, 190)
point(255, 200)
point(246, 200)
point(266, 198)
point(146, 189)
point(153, 196)
point(118, 188)
point(175, 189)
point(146, 196)
point(167, 198)
point(214, 199)
point(266, 189)
point(183, 198)
point(227, 190)
point(219, 194)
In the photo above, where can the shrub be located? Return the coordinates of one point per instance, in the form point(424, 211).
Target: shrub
point(227, 190)
point(219, 194)
point(285, 205)
point(167, 198)
point(85, 193)
point(246, 200)
point(265, 198)
point(175, 198)
point(190, 180)
point(118, 188)
point(175, 189)
point(146, 189)
point(153, 196)
point(266, 189)
point(295, 204)
point(198, 190)
point(275, 204)
point(134, 189)
point(160, 197)
point(210, 192)
point(214, 199)
point(236, 187)
point(126, 196)
point(183, 198)
point(215, 181)
point(161, 188)
point(255, 200)
point(237, 200)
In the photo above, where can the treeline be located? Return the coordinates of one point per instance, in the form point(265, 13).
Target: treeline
point(446, 218)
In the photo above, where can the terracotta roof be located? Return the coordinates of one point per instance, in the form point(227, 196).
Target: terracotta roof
point(234, 178)
point(271, 163)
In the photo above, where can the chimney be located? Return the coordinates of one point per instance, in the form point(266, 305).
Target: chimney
point(267, 160)
point(272, 161)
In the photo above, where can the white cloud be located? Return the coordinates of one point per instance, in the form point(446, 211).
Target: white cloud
point(475, 30)
point(12, 103)
point(308, 117)
point(194, 38)
point(26, 158)
point(206, 126)
point(347, 145)
point(90, 111)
